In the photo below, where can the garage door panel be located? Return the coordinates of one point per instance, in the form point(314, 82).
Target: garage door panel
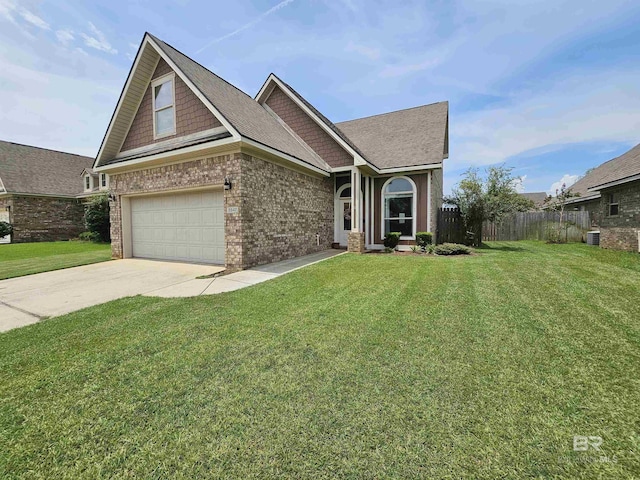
point(183, 226)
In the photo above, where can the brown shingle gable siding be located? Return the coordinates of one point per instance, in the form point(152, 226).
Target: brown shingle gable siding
point(192, 116)
point(308, 130)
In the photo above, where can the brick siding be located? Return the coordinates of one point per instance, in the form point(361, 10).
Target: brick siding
point(192, 115)
point(44, 219)
point(280, 211)
point(285, 214)
point(620, 232)
point(308, 130)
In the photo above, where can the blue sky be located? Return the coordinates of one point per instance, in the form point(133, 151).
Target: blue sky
point(548, 88)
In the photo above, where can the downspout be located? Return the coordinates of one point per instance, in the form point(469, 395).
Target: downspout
point(429, 202)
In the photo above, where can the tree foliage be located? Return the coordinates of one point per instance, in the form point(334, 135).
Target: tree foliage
point(96, 217)
point(5, 229)
point(558, 203)
point(489, 198)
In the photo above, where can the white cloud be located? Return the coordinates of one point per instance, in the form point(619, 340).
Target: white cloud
point(33, 19)
point(567, 180)
point(247, 26)
point(65, 37)
point(98, 40)
point(131, 54)
point(369, 52)
point(6, 9)
point(518, 184)
point(576, 109)
point(41, 87)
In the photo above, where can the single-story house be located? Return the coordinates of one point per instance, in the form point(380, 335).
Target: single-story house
point(587, 200)
point(200, 171)
point(538, 198)
point(40, 192)
point(618, 184)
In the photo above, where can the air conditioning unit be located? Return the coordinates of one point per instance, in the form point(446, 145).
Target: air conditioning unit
point(593, 238)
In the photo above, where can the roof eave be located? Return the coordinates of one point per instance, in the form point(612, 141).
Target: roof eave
point(615, 183)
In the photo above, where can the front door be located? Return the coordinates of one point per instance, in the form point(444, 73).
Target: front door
point(344, 223)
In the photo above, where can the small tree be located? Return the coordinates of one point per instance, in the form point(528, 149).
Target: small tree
point(5, 229)
point(558, 204)
point(96, 217)
point(490, 199)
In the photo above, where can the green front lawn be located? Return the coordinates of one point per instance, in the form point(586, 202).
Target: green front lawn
point(20, 259)
point(371, 366)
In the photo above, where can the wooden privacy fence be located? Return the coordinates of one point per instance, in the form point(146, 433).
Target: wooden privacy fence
point(449, 226)
point(536, 226)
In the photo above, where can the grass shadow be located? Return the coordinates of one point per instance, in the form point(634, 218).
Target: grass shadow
point(501, 248)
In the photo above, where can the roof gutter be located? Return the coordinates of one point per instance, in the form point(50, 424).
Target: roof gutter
point(632, 178)
point(26, 194)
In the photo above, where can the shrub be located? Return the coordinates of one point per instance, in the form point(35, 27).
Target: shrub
point(96, 217)
point(388, 250)
point(415, 249)
point(451, 249)
point(392, 239)
point(424, 238)
point(5, 229)
point(90, 237)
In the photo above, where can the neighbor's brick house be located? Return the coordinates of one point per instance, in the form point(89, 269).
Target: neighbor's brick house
point(611, 195)
point(40, 193)
point(200, 171)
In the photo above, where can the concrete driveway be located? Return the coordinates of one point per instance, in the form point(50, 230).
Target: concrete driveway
point(26, 300)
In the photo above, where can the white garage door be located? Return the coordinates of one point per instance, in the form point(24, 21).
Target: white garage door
point(180, 226)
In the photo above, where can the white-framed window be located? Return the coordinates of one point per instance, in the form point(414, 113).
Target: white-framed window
point(88, 184)
point(399, 203)
point(164, 110)
point(104, 181)
point(614, 204)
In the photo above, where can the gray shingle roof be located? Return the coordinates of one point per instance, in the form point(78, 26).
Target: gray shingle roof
point(26, 169)
point(248, 117)
point(536, 197)
point(405, 138)
point(581, 187)
point(619, 168)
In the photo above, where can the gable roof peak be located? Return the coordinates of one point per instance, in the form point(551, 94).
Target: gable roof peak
point(240, 114)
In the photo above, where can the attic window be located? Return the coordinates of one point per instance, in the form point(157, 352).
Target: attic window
point(87, 182)
point(164, 112)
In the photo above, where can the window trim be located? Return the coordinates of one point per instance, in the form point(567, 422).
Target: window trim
point(414, 207)
point(159, 81)
point(611, 203)
point(103, 181)
point(89, 180)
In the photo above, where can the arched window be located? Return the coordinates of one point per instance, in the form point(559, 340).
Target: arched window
point(399, 206)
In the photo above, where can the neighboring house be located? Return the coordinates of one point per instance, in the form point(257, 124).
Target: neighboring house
point(39, 192)
point(200, 171)
point(93, 183)
point(618, 184)
point(587, 200)
point(538, 198)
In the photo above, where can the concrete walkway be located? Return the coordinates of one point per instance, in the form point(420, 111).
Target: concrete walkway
point(26, 300)
point(245, 278)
